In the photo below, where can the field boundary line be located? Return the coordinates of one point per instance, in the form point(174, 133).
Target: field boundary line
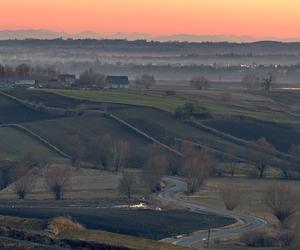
point(145, 134)
point(219, 152)
point(240, 141)
point(37, 137)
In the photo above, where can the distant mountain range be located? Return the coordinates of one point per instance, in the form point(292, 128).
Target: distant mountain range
point(48, 34)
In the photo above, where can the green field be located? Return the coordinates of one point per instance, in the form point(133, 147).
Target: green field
point(171, 103)
point(15, 145)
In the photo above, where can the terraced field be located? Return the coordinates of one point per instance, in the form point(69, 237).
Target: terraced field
point(14, 112)
point(89, 126)
point(15, 145)
point(280, 135)
point(217, 106)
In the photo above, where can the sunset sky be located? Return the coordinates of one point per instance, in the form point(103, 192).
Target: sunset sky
point(255, 18)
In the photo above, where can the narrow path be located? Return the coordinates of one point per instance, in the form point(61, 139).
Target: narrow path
point(251, 223)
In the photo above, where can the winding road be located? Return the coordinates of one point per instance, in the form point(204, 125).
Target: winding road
point(249, 223)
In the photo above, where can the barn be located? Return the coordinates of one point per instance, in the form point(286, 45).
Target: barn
point(117, 82)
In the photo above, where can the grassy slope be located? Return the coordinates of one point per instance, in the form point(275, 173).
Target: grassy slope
point(171, 103)
point(15, 144)
point(13, 112)
point(88, 127)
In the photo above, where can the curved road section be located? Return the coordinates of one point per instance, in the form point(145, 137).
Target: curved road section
point(250, 223)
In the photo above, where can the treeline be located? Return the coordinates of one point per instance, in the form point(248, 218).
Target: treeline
point(103, 151)
point(25, 71)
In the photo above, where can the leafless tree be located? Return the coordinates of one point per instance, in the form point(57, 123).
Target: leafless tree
point(105, 150)
point(145, 80)
point(231, 152)
point(120, 154)
point(261, 156)
point(108, 152)
point(268, 82)
point(283, 201)
point(23, 70)
point(127, 184)
point(56, 179)
point(196, 169)
point(36, 157)
point(90, 78)
point(76, 147)
point(231, 196)
point(24, 182)
point(200, 82)
point(153, 171)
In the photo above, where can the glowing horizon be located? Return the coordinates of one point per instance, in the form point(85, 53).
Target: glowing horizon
point(253, 18)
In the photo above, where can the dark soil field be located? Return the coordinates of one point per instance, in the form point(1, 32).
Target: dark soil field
point(159, 124)
point(13, 112)
point(281, 136)
point(142, 223)
point(55, 131)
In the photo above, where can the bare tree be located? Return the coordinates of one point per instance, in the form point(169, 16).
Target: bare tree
point(108, 152)
point(145, 80)
point(262, 155)
point(231, 196)
point(90, 78)
point(105, 149)
point(200, 82)
point(153, 171)
point(196, 169)
point(283, 201)
point(120, 154)
point(24, 182)
point(268, 82)
point(99, 150)
point(127, 184)
point(23, 71)
point(56, 179)
point(36, 157)
point(231, 152)
point(76, 147)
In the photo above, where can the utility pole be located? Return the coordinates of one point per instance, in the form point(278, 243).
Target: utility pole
point(208, 237)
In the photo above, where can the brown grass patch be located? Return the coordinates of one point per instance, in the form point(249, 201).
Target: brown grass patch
point(61, 224)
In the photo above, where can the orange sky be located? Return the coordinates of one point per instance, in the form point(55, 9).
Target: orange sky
point(256, 18)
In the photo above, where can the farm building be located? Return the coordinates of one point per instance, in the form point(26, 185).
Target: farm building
point(67, 79)
point(51, 83)
point(117, 82)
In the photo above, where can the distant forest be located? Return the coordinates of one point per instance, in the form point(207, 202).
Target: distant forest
point(222, 61)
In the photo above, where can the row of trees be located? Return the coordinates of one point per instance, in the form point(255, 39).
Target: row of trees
point(196, 166)
point(282, 200)
point(104, 151)
point(55, 177)
point(25, 71)
point(253, 82)
point(250, 81)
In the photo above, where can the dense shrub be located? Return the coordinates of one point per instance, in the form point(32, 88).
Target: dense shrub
point(258, 239)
